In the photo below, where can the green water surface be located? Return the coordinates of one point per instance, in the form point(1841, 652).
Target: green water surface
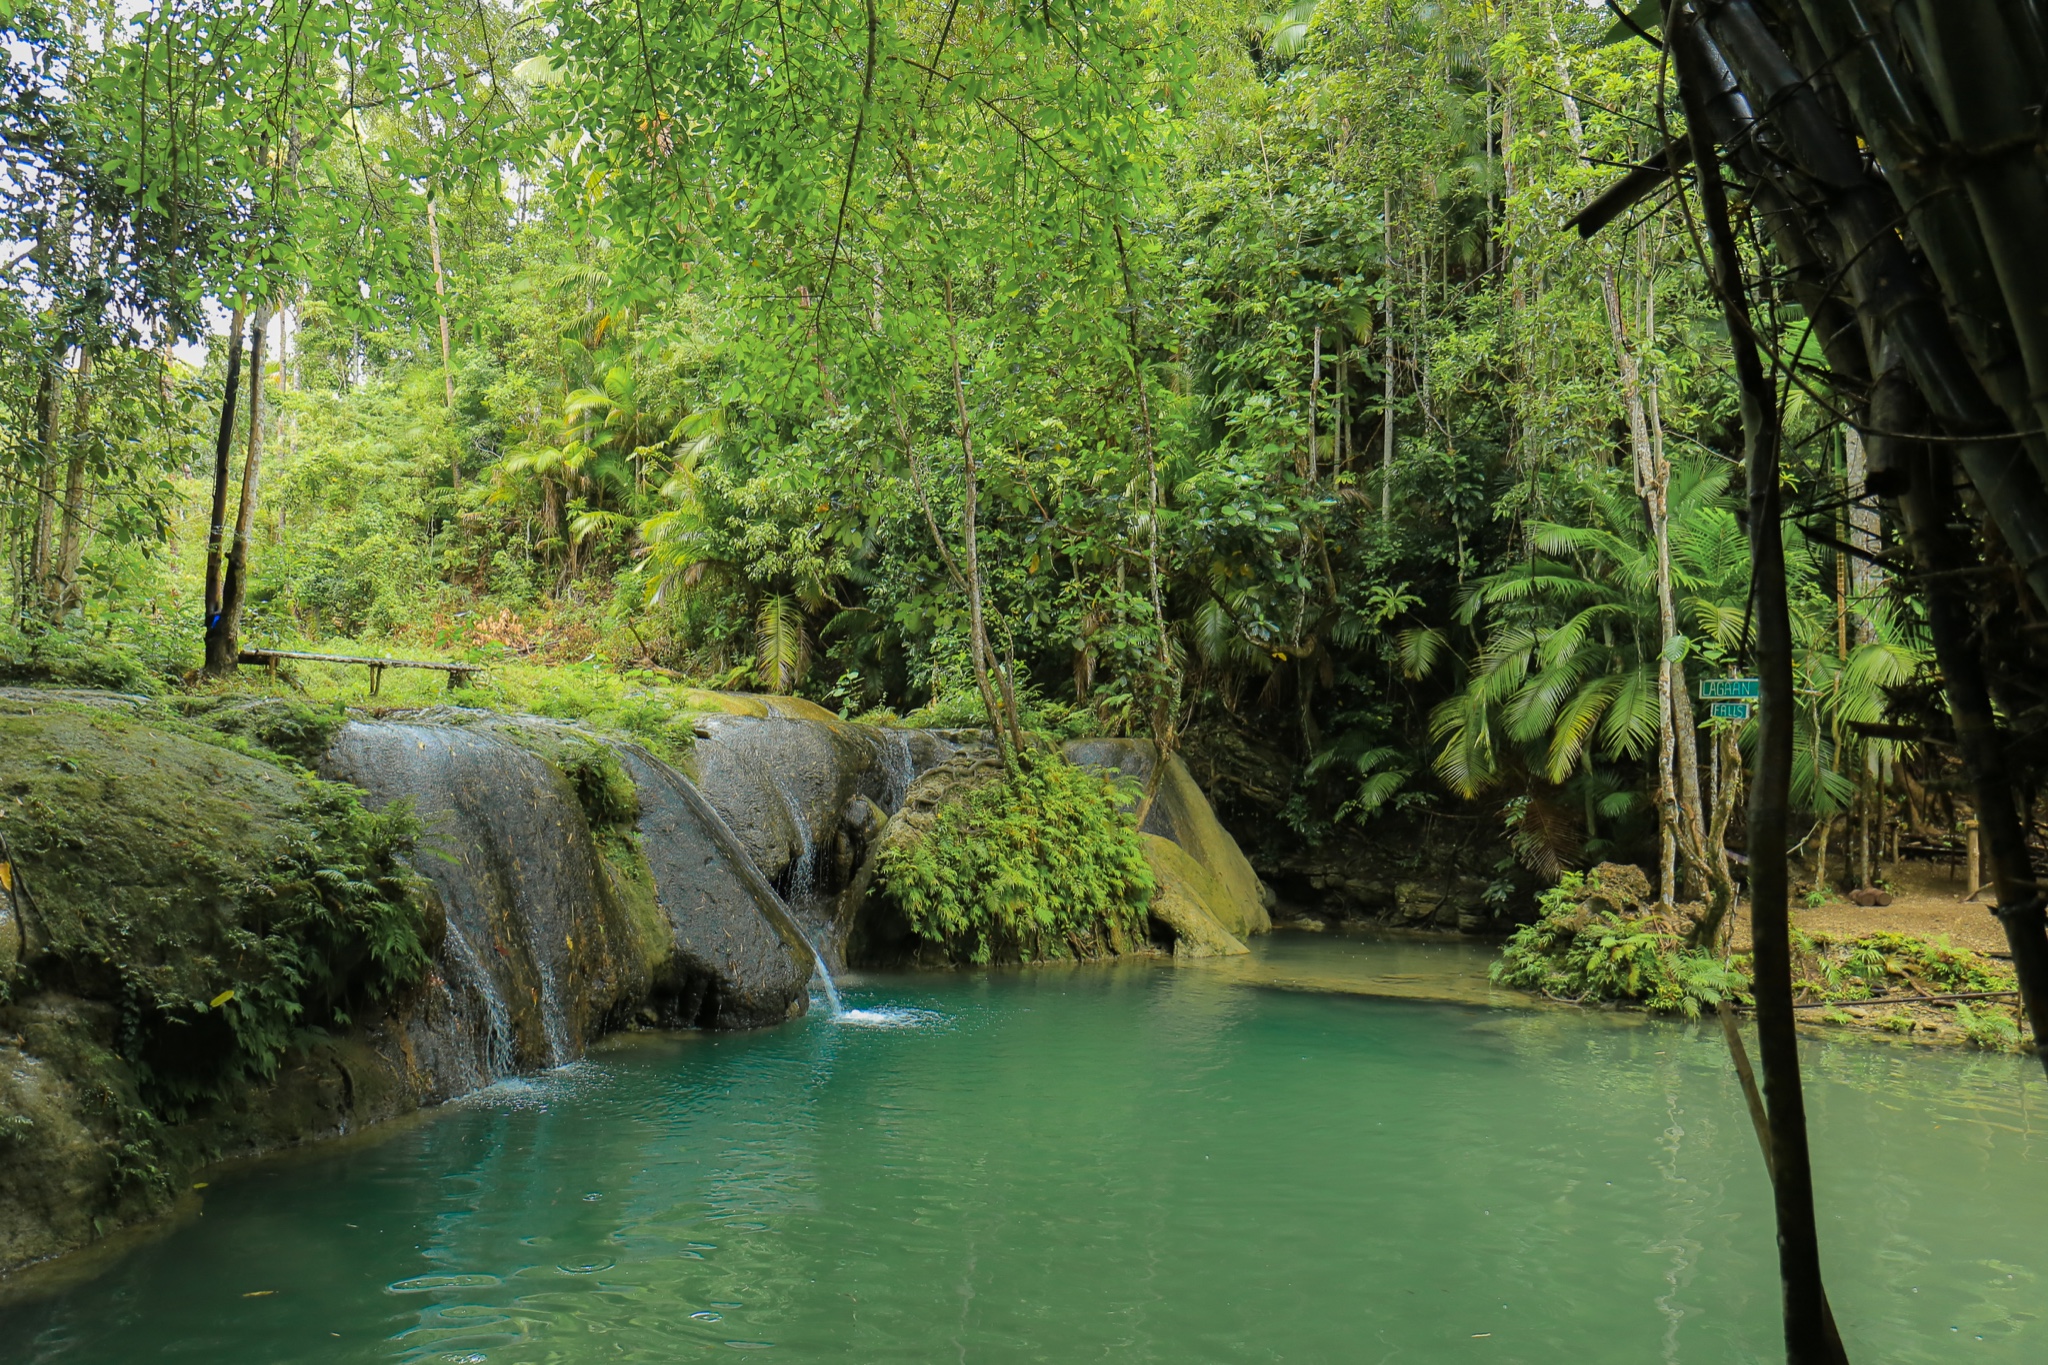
point(1145, 1163)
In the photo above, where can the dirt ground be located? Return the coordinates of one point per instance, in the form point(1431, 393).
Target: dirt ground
point(1926, 900)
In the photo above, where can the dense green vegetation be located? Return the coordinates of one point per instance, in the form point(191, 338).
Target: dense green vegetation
point(1219, 376)
point(1046, 865)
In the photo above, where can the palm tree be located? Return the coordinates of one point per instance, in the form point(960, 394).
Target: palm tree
point(1565, 676)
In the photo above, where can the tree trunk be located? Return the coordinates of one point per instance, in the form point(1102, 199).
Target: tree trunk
point(63, 593)
point(1810, 1335)
point(223, 448)
point(1315, 388)
point(235, 588)
point(1652, 481)
point(1167, 687)
point(49, 394)
point(1927, 509)
point(1012, 744)
point(441, 309)
point(1387, 342)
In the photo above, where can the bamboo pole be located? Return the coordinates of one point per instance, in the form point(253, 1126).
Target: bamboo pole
point(1810, 1338)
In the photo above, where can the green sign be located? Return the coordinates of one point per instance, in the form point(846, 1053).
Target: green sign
point(1728, 710)
point(1729, 689)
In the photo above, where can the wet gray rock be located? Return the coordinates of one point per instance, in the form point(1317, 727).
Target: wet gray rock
point(543, 949)
point(738, 960)
point(783, 786)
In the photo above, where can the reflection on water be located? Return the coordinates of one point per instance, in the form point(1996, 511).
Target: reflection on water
point(1391, 966)
point(1138, 1163)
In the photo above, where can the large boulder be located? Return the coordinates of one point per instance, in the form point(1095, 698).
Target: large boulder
point(158, 866)
point(1188, 901)
point(738, 958)
point(1202, 913)
point(869, 929)
point(1182, 814)
point(783, 784)
point(546, 947)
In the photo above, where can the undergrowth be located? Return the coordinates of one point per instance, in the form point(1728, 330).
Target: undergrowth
point(1589, 953)
point(1045, 865)
point(1585, 955)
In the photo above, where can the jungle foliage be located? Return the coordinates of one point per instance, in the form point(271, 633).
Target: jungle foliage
point(1216, 375)
point(1045, 865)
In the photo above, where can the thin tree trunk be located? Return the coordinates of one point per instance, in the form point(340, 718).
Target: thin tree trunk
point(1863, 799)
point(1387, 327)
point(977, 627)
point(1810, 1336)
point(1652, 484)
point(1167, 689)
point(1315, 387)
point(49, 397)
point(63, 594)
point(223, 447)
point(1727, 794)
point(441, 309)
point(235, 587)
point(1865, 578)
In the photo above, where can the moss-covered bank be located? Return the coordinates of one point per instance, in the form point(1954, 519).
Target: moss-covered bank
point(190, 918)
point(1596, 941)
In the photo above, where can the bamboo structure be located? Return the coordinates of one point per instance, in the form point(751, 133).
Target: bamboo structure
point(1882, 159)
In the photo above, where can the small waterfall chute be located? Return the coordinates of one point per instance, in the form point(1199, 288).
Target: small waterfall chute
point(900, 767)
point(803, 886)
point(826, 983)
point(499, 1059)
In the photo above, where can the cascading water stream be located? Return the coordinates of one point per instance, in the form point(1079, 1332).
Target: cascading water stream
point(900, 767)
point(803, 881)
point(498, 1058)
point(825, 981)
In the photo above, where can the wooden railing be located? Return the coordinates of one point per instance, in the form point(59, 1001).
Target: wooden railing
point(458, 674)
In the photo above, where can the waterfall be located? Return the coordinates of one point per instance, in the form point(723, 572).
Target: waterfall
point(825, 980)
point(498, 1059)
point(900, 767)
point(803, 882)
point(803, 873)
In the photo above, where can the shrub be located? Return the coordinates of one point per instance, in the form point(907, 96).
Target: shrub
point(1991, 1032)
point(1039, 865)
point(1580, 954)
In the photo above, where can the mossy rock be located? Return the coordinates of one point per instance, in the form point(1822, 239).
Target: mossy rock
point(757, 704)
point(1188, 900)
point(1180, 812)
point(78, 1151)
point(223, 900)
point(980, 866)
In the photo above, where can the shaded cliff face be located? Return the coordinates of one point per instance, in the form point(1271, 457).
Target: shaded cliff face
point(572, 906)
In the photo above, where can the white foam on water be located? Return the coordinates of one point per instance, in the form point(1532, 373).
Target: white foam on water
point(535, 1091)
point(889, 1017)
